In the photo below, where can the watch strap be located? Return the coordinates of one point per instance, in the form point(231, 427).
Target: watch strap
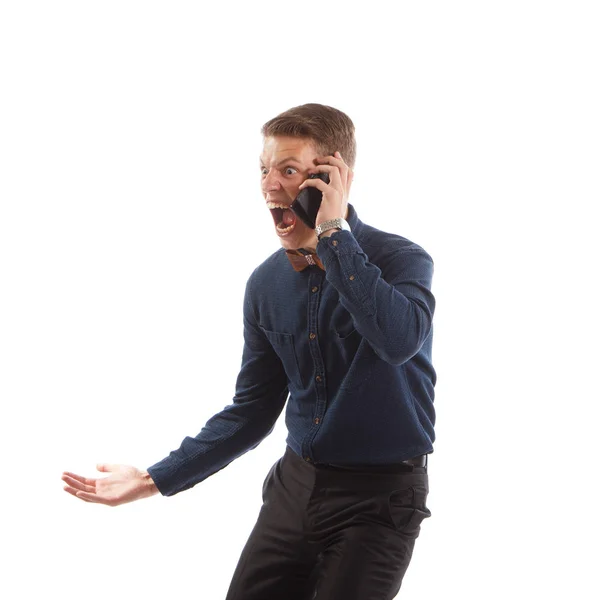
point(340, 224)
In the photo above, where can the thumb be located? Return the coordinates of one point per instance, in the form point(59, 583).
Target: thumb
point(105, 467)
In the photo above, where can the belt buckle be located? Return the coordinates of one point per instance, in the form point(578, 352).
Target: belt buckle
point(416, 461)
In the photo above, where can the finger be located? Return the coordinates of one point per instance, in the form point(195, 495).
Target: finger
point(78, 484)
point(349, 180)
point(332, 160)
point(338, 165)
point(91, 498)
point(336, 161)
point(317, 183)
point(84, 480)
point(349, 173)
point(335, 178)
point(74, 492)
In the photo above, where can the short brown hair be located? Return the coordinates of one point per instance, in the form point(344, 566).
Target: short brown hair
point(329, 128)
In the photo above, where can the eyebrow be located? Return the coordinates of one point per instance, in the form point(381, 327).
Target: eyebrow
point(288, 159)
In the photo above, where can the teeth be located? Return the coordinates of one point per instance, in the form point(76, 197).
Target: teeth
point(272, 205)
point(285, 229)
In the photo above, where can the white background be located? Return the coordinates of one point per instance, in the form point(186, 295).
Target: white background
point(131, 217)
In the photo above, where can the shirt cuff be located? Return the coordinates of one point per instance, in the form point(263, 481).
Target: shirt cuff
point(337, 244)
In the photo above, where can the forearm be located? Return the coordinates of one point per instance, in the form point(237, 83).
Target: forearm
point(394, 316)
point(261, 391)
point(238, 428)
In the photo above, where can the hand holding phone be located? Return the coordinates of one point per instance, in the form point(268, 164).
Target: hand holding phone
point(307, 202)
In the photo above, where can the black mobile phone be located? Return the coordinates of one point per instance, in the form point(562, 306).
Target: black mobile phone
point(307, 202)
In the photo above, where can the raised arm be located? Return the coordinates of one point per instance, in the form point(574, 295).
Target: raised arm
point(392, 310)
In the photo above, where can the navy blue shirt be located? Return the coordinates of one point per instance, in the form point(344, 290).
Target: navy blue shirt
point(348, 348)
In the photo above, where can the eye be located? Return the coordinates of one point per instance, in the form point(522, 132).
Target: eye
point(264, 170)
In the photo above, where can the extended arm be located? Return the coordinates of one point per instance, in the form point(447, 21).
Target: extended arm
point(261, 393)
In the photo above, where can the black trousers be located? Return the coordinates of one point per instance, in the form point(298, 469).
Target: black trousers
point(331, 534)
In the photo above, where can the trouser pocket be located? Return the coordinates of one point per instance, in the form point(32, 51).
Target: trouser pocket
point(267, 484)
point(407, 509)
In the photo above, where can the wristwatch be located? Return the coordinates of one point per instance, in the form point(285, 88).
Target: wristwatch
point(340, 224)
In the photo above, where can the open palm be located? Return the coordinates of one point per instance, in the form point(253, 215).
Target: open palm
point(124, 484)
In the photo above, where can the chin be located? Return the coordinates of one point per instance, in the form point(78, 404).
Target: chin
point(293, 242)
point(301, 237)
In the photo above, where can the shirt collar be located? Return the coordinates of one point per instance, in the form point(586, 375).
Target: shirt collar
point(302, 258)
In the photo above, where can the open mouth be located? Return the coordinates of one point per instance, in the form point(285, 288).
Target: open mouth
point(283, 217)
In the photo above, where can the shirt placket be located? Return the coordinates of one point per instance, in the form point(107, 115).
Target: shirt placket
point(315, 284)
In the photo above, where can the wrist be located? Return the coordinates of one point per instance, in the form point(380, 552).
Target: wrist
point(332, 225)
point(148, 483)
point(321, 219)
point(328, 233)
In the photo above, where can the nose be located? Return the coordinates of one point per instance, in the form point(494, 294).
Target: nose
point(271, 182)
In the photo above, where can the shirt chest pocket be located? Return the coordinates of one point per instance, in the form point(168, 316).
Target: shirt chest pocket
point(283, 344)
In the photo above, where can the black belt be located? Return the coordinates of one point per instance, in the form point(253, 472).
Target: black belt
point(405, 465)
point(417, 461)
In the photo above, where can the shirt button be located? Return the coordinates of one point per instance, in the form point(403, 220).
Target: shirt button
point(317, 421)
point(312, 336)
point(315, 289)
point(319, 378)
point(351, 277)
point(334, 242)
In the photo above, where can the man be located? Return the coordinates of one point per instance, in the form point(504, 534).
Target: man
point(340, 320)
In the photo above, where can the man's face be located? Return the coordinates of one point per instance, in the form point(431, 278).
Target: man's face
point(284, 165)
